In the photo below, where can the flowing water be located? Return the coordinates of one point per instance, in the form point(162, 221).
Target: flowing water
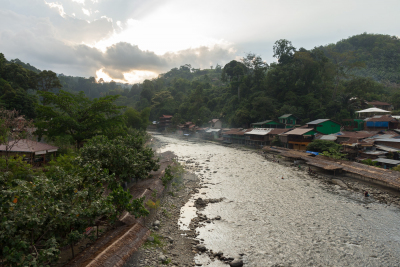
point(294, 221)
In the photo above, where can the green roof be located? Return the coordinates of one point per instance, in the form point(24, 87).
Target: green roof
point(287, 116)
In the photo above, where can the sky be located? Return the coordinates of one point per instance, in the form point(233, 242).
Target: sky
point(132, 40)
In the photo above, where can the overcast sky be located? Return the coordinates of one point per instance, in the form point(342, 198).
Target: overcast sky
point(130, 40)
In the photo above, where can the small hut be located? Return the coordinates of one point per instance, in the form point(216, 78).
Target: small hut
point(32, 151)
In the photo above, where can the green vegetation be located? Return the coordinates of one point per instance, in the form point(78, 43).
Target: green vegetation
point(46, 209)
point(326, 148)
point(370, 162)
point(322, 145)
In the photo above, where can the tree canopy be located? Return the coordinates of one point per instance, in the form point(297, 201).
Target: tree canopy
point(78, 116)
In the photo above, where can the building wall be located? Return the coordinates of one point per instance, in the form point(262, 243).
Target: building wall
point(328, 127)
point(217, 125)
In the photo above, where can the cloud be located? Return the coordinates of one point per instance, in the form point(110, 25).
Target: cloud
point(39, 42)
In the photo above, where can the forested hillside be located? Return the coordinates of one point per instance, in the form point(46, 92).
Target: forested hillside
point(380, 53)
point(329, 81)
point(324, 82)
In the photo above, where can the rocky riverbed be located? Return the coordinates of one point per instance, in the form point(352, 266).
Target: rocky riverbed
point(249, 210)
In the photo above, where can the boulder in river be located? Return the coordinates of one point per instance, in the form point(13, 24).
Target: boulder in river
point(339, 183)
point(236, 263)
point(201, 247)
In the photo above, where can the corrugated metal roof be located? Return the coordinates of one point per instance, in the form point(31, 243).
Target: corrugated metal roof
point(388, 161)
point(260, 123)
point(242, 132)
point(387, 148)
point(388, 140)
point(372, 110)
point(378, 103)
point(279, 131)
point(385, 136)
point(28, 146)
point(260, 131)
point(298, 131)
point(318, 121)
point(329, 137)
point(374, 152)
point(285, 116)
point(212, 130)
point(231, 131)
point(380, 118)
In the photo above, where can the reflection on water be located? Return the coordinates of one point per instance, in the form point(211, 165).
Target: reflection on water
point(294, 221)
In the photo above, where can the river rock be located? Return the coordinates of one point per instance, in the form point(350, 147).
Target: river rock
point(236, 263)
point(201, 247)
point(150, 239)
point(218, 217)
point(162, 258)
point(339, 183)
point(156, 223)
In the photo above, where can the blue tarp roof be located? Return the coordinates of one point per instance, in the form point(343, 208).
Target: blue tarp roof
point(311, 152)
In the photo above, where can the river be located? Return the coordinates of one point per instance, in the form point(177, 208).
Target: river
point(279, 216)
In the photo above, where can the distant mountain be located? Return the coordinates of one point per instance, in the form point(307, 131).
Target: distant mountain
point(25, 65)
point(381, 54)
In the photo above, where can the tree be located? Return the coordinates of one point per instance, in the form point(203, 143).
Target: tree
point(13, 128)
point(125, 157)
point(283, 50)
point(148, 90)
point(137, 120)
point(78, 116)
point(19, 100)
point(47, 80)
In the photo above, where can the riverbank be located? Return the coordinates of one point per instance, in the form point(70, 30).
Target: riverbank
point(168, 244)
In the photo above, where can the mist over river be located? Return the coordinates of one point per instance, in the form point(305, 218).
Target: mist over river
point(294, 221)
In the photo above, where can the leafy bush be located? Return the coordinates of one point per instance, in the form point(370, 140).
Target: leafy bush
point(168, 176)
point(370, 162)
point(323, 145)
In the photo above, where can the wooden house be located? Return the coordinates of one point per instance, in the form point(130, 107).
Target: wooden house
point(267, 124)
point(381, 122)
point(33, 152)
point(262, 136)
point(165, 121)
point(324, 126)
point(381, 105)
point(289, 120)
point(235, 136)
point(297, 138)
point(215, 124)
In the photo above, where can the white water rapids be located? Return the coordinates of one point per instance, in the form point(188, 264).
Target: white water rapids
point(295, 221)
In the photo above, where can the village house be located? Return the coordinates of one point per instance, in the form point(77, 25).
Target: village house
point(32, 152)
point(381, 122)
point(227, 136)
point(353, 124)
point(297, 138)
point(257, 137)
point(262, 136)
point(381, 105)
point(215, 124)
point(236, 136)
point(212, 134)
point(324, 126)
point(289, 120)
point(188, 127)
point(165, 121)
point(267, 124)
